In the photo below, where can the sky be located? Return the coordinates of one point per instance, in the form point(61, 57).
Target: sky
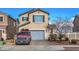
point(53, 12)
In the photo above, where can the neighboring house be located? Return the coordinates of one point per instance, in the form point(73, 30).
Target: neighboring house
point(7, 26)
point(76, 24)
point(36, 21)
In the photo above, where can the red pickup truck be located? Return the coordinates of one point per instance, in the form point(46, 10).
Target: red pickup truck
point(23, 37)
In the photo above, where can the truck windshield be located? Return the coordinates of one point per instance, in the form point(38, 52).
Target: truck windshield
point(21, 39)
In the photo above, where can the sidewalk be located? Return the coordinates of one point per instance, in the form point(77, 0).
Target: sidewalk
point(39, 48)
point(66, 45)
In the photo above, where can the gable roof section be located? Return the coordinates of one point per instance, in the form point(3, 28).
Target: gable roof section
point(76, 19)
point(7, 15)
point(34, 10)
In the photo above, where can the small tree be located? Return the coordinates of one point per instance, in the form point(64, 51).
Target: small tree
point(59, 27)
point(52, 36)
point(63, 26)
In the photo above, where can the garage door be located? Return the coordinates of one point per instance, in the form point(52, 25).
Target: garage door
point(37, 35)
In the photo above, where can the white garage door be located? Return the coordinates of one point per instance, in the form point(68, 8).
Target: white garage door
point(37, 35)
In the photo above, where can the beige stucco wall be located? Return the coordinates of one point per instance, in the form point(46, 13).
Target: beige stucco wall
point(4, 24)
point(33, 25)
point(4, 19)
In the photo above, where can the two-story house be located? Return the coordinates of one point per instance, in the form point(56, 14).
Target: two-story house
point(36, 21)
point(7, 26)
point(76, 24)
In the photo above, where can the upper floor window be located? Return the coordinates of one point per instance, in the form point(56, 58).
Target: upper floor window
point(1, 19)
point(25, 19)
point(11, 23)
point(38, 18)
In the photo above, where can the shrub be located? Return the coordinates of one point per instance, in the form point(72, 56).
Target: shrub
point(4, 42)
point(2, 39)
point(61, 36)
point(73, 42)
point(52, 37)
point(66, 38)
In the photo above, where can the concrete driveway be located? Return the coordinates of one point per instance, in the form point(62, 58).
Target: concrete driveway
point(40, 42)
point(45, 42)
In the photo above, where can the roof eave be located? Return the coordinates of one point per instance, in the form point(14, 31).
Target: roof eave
point(29, 12)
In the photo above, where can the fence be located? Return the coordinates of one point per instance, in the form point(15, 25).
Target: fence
point(73, 35)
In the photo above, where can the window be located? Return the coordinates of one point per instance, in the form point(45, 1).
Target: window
point(1, 19)
point(38, 18)
point(24, 19)
point(11, 23)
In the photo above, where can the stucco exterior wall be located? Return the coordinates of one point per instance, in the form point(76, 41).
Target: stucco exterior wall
point(4, 19)
point(38, 25)
point(35, 26)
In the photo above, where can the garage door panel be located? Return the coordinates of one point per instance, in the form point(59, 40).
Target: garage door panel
point(37, 35)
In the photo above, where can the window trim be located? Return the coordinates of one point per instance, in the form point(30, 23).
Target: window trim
point(39, 22)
